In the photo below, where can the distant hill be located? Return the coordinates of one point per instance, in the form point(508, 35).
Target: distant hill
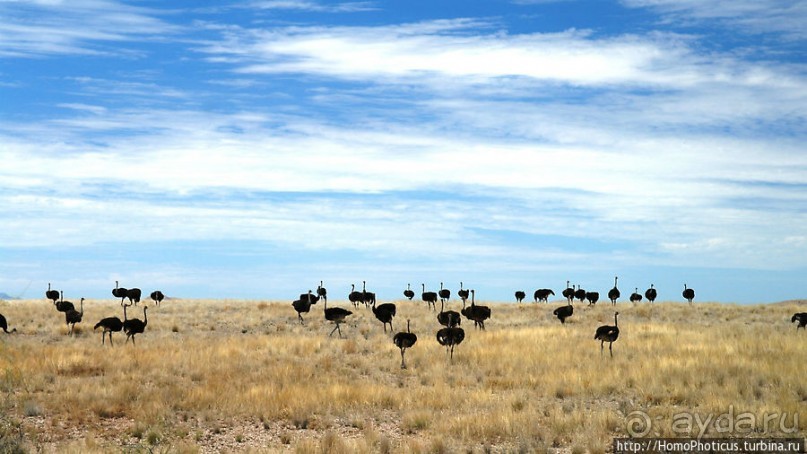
point(6, 296)
point(791, 302)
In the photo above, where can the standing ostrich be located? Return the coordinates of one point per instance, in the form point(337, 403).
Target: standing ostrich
point(133, 294)
point(429, 297)
point(520, 295)
point(445, 294)
point(542, 294)
point(568, 292)
point(110, 325)
point(367, 297)
point(476, 313)
point(450, 337)
point(322, 293)
point(119, 292)
point(336, 315)
point(448, 319)
point(354, 296)
point(4, 325)
point(651, 294)
point(463, 294)
point(157, 296)
point(635, 297)
point(403, 341)
point(134, 326)
point(580, 294)
point(73, 316)
point(800, 317)
point(688, 294)
point(564, 312)
point(613, 294)
point(64, 306)
point(309, 297)
point(52, 295)
point(592, 297)
point(408, 292)
point(384, 313)
point(607, 333)
point(303, 305)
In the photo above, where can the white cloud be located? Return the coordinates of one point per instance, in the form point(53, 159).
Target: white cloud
point(306, 5)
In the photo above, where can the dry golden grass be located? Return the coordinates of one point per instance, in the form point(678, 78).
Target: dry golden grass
point(213, 375)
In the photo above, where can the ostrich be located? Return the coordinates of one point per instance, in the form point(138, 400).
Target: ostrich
point(429, 297)
point(404, 340)
point(476, 313)
point(568, 292)
point(688, 294)
point(450, 337)
point(322, 293)
point(336, 315)
point(157, 296)
point(613, 294)
point(384, 313)
point(64, 306)
point(592, 297)
point(580, 294)
point(408, 292)
point(134, 326)
point(303, 305)
point(354, 296)
point(564, 312)
point(367, 297)
point(4, 325)
point(133, 294)
point(542, 294)
point(463, 294)
point(119, 292)
point(73, 316)
point(608, 334)
point(449, 319)
point(651, 294)
point(801, 318)
point(635, 297)
point(52, 295)
point(520, 295)
point(110, 325)
point(445, 294)
point(309, 297)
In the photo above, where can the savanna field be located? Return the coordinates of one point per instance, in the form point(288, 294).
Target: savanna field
point(232, 375)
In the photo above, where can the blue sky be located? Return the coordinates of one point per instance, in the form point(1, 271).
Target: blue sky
point(250, 149)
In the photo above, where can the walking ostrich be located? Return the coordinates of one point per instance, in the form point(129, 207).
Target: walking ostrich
point(384, 313)
point(404, 340)
point(542, 294)
point(635, 297)
point(613, 294)
point(367, 297)
point(73, 316)
point(688, 294)
point(429, 297)
point(564, 312)
point(568, 292)
point(62, 305)
point(520, 295)
point(52, 295)
point(4, 325)
point(134, 326)
point(408, 292)
point(119, 292)
point(309, 297)
point(445, 294)
point(463, 294)
point(133, 294)
point(592, 297)
point(580, 294)
point(157, 296)
point(336, 315)
point(322, 293)
point(448, 319)
point(354, 296)
point(449, 338)
point(476, 313)
point(608, 334)
point(651, 294)
point(303, 305)
point(800, 317)
point(110, 325)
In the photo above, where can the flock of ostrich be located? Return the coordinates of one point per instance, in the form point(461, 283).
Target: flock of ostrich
point(450, 335)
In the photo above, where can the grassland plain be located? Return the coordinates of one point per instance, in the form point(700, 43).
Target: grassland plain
point(227, 375)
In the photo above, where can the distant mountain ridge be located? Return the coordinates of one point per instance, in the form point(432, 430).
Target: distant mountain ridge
point(6, 296)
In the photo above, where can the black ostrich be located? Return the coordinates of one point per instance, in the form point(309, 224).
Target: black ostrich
point(463, 294)
point(64, 306)
point(309, 297)
point(408, 292)
point(52, 295)
point(476, 313)
point(367, 297)
point(520, 295)
point(651, 294)
point(688, 294)
point(444, 293)
point(800, 317)
point(635, 297)
point(133, 294)
point(134, 326)
point(429, 297)
point(110, 325)
point(73, 316)
point(449, 338)
point(354, 296)
point(157, 296)
point(322, 293)
point(607, 333)
point(592, 297)
point(564, 312)
point(580, 294)
point(448, 319)
point(4, 325)
point(542, 294)
point(384, 313)
point(336, 315)
point(303, 305)
point(404, 340)
point(613, 294)
point(568, 292)
point(119, 292)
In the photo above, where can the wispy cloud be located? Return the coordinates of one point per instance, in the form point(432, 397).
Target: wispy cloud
point(312, 6)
